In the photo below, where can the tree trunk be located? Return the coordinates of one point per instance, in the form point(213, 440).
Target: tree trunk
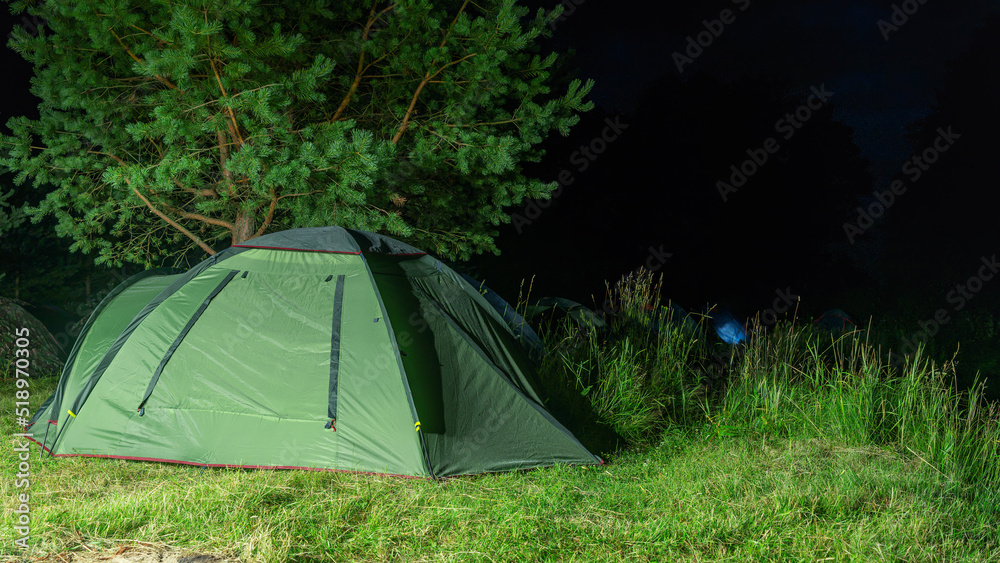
point(244, 227)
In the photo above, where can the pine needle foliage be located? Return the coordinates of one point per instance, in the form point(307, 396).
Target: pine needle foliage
point(167, 126)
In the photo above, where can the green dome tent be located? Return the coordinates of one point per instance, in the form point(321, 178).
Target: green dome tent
point(318, 348)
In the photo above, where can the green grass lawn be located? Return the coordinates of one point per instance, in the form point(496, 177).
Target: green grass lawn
point(693, 497)
point(805, 448)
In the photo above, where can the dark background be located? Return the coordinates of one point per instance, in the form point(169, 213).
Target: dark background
point(647, 194)
point(655, 186)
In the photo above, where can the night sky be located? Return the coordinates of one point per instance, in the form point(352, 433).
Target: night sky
point(735, 146)
point(890, 70)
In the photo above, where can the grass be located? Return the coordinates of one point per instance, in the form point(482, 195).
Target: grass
point(802, 447)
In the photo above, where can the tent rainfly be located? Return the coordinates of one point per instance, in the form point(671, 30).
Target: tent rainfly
point(316, 348)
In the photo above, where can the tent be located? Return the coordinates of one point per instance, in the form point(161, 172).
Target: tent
point(16, 321)
point(318, 348)
point(551, 310)
point(725, 325)
point(522, 330)
point(835, 320)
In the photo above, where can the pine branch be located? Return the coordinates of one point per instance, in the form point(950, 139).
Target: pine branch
point(428, 76)
point(171, 222)
point(223, 157)
point(234, 128)
point(192, 108)
point(512, 120)
point(207, 192)
point(158, 38)
point(372, 18)
point(301, 194)
point(270, 215)
point(138, 60)
point(416, 94)
point(204, 219)
point(157, 212)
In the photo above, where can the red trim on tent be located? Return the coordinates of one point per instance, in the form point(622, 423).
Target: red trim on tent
point(127, 458)
point(39, 443)
point(299, 249)
point(228, 465)
point(193, 463)
point(26, 428)
point(324, 251)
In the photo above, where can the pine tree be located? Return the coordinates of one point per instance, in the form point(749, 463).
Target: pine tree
point(171, 125)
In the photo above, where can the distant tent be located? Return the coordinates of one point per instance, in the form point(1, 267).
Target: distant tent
point(63, 326)
point(16, 322)
point(672, 316)
point(553, 309)
point(725, 325)
point(834, 320)
point(520, 327)
point(676, 315)
point(319, 348)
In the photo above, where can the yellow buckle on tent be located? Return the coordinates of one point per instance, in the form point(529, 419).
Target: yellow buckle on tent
point(71, 413)
point(417, 426)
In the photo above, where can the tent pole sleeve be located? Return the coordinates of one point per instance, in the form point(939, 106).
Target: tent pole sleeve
point(402, 370)
point(54, 402)
point(338, 308)
point(180, 337)
point(44, 438)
